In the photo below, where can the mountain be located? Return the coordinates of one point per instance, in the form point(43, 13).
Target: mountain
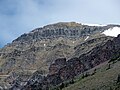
point(62, 70)
point(46, 52)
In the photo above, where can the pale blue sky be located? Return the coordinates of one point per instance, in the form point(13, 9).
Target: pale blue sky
point(21, 16)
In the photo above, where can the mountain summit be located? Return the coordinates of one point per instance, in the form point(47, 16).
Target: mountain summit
point(46, 50)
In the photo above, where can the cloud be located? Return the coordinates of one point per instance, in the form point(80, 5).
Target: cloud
point(21, 16)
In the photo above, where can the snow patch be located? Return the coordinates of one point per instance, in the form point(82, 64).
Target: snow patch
point(44, 45)
point(112, 32)
point(94, 24)
point(73, 42)
point(86, 38)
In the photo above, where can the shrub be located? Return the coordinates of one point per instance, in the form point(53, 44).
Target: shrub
point(86, 74)
point(118, 79)
point(118, 59)
point(82, 76)
point(62, 86)
point(109, 66)
point(72, 81)
point(93, 72)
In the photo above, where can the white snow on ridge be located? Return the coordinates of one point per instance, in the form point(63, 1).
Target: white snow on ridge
point(112, 32)
point(93, 24)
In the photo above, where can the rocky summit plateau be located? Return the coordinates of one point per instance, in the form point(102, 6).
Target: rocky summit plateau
point(48, 57)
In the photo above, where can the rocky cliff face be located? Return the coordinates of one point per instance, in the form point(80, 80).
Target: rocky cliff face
point(40, 49)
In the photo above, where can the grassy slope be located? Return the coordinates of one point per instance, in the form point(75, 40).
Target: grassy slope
point(102, 80)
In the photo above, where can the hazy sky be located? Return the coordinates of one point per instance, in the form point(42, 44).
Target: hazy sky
point(21, 16)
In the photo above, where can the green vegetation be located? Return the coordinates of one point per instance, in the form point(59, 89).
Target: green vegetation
point(63, 85)
point(105, 77)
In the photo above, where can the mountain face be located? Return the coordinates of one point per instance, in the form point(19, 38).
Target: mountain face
point(62, 70)
point(54, 53)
